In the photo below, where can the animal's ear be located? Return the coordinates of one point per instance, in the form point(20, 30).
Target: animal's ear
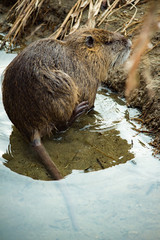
point(89, 41)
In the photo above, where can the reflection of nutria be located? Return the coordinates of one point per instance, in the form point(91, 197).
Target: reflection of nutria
point(51, 82)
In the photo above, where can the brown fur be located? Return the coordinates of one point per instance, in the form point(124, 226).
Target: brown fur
point(45, 83)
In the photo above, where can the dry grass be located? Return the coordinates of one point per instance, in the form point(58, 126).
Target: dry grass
point(24, 10)
point(95, 16)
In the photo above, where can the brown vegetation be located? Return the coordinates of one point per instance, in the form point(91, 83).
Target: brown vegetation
point(27, 10)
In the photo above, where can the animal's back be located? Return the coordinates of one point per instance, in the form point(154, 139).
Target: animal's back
point(43, 85)
point(50, 83)
point(36, 91)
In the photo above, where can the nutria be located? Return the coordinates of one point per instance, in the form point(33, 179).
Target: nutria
point(52, 82)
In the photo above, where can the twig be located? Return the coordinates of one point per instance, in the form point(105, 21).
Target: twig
point(150, 49)
point(79, 5)
point(131, 20)
point(142, 131)
point(99, 162)
point(93, 12)
point(137, 119)
point(136, 2)
point(104, 15)
point(99, 150)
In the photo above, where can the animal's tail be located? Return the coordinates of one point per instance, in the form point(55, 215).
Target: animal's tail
point(45, 158)
point(53, 170)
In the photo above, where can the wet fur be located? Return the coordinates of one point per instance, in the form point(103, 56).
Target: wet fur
point(43, 85)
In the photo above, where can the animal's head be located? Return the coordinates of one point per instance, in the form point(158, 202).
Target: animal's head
point(111, 49)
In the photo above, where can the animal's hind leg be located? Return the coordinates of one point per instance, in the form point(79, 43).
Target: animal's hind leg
point(77, 112)
point(63, 107)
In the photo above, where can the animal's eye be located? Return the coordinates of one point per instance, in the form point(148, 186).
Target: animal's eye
point(89, 41)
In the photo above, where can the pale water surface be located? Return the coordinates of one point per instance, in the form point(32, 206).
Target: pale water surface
point(121, 202)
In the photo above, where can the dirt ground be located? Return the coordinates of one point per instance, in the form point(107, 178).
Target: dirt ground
point(146, 96)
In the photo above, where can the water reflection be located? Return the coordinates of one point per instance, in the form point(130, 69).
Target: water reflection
point(92, 143)
point(75, 149)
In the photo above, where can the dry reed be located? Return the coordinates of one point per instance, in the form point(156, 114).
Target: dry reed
point(22, 10)
point(95, 16)
point(141, 44)
point(27, 9)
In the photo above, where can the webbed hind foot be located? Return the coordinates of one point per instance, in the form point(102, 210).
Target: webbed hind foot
point(78, 111)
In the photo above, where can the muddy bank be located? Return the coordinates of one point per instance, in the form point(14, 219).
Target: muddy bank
point(146, 95)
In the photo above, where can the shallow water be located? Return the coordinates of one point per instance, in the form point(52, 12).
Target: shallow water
point(116, 203)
